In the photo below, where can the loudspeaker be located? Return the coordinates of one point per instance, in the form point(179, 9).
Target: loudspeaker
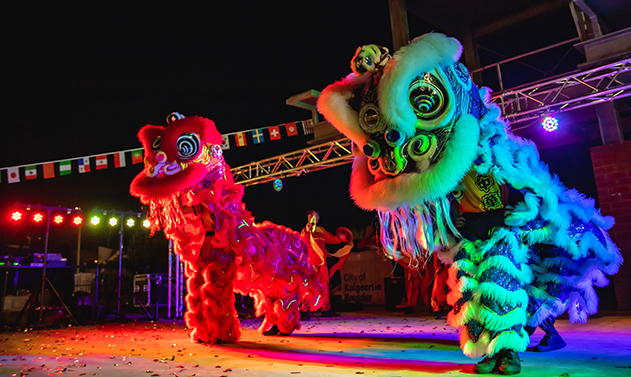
point(394, 290)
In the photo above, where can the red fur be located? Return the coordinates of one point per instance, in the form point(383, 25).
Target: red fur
point(266, 261)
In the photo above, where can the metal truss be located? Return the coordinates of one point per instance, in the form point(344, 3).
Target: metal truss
point(318, 157)
point(579, 89)
point(569, 92)
point(176, 288)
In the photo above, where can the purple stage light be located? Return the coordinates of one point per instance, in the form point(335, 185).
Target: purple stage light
point(550, 124)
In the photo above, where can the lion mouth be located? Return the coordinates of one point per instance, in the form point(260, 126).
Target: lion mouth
point(163, 168)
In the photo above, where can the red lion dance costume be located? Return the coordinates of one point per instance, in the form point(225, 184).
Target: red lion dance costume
point(193, 197)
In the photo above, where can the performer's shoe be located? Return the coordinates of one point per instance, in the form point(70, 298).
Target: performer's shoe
point(487, 365)
point(272, 331)
point(509, 362)
point(550, 342)
point(275, 331)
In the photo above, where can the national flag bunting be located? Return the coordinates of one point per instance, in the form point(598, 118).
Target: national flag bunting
point(84, 164)
point(136, 156)
point(239, 138)
point(225, 144)
point(306, 126)
point(49, 170)
point(101, 162)
point(291, 129)
point(274, 132)
point(257, 136)
point(65, 167)
point(119, 160)
point(13, 175)
point(30, 172)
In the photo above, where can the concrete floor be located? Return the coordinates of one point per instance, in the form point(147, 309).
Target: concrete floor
point(375, 344)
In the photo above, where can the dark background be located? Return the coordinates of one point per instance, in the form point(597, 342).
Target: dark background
point(83, 79)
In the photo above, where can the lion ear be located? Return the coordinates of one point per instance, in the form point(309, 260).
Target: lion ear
point(148, 134)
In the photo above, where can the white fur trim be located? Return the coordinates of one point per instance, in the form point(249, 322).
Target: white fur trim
point(439, 180)
point(333, 104)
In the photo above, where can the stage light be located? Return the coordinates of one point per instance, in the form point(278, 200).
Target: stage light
point(77, 220)
point(58, 219)
point(278, 184)
point(95, 220)
point(130, 222)
point(146, 223)
point(113, 221)
point(550, 124)
point(16, 216)
point(38, 217)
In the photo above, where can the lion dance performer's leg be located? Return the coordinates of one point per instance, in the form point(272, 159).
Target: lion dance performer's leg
point(210, 296)
point(275, 271)
point(487, 281)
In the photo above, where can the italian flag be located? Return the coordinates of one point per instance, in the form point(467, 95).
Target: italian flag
point(101, 162)
point(30, 172)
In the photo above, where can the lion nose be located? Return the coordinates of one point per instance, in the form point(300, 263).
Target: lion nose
point(161, 157)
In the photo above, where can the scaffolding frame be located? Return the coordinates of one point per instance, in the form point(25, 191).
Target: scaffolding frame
point(318, 157)
point(582, 88)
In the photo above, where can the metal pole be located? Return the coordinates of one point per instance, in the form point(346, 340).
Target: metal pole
point(170, 286)
point(120, 265)
point(79, 249)
point(180, 288)
point(41, 301)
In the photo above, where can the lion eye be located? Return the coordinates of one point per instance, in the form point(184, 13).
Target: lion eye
point(427, 97)
point(188, 145)
point(156, 144)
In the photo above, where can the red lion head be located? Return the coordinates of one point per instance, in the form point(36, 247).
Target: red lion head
point(178, 157)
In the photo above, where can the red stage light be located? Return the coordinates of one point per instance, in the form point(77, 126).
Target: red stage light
point(38, 217)
point(58, 219)
point(16, 216)
point(77, 220)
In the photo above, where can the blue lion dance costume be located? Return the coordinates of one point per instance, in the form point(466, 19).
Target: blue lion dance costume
point(523, 248)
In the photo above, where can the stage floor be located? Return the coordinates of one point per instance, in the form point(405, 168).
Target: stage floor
point(374, 344)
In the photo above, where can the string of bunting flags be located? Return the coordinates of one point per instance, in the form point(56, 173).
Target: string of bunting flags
point(52, 169)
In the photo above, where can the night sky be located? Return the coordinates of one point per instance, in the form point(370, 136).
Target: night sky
point(83, 80)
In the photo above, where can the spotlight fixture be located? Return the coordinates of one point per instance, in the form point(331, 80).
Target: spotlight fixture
point(58, 219)
point(95, 220)
point(550, 124)
point(113, 221)
point(278, 184)
point(146, 223)
point(130, 222)
point(77, 220)
point(16, 216)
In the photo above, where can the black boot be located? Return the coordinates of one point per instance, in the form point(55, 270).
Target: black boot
point(552, 340)
point(509, 362)
point(487, 365)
